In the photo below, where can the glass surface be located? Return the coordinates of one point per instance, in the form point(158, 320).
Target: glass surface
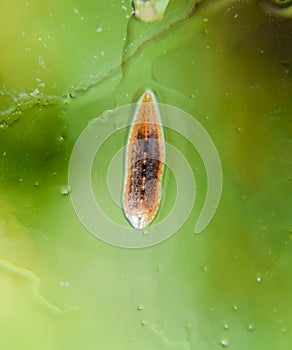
point(228, 65)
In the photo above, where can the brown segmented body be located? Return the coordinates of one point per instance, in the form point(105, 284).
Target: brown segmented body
point(145, 156)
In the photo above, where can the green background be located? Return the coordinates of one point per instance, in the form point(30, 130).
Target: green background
point(227, 63)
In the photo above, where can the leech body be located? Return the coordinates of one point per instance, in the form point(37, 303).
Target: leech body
point(145, 157)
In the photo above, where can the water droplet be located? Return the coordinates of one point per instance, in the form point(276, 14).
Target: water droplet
point(42, 84)
point(36, 184)
point(224, 343)
point(259, 279)
point(284, 330)
point(35, 92)
point(140, 308)
point(145, 232)
point(239, 129)
point(61, 138)
point(143, 323)
point(99, 29)
point(206, 19)
point(235, 15)
point(64, 284)
point(251, 327)
point(235, 307)
point(226, 326)
point(76, 11)
point(192, 96)
point(65, 190)
point(205, 269)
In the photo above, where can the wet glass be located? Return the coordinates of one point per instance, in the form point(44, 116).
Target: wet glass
point(67, 66)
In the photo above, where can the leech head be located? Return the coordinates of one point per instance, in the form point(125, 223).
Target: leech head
point(147, 97)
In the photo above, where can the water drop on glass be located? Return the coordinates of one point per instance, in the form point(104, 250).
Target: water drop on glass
point(224, 343)
point(65, 190)
point(64, 284)
point(284, 330)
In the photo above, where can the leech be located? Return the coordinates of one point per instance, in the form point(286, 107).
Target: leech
point(145, 157)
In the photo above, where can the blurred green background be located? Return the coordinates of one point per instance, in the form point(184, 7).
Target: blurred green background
point(227, 63)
